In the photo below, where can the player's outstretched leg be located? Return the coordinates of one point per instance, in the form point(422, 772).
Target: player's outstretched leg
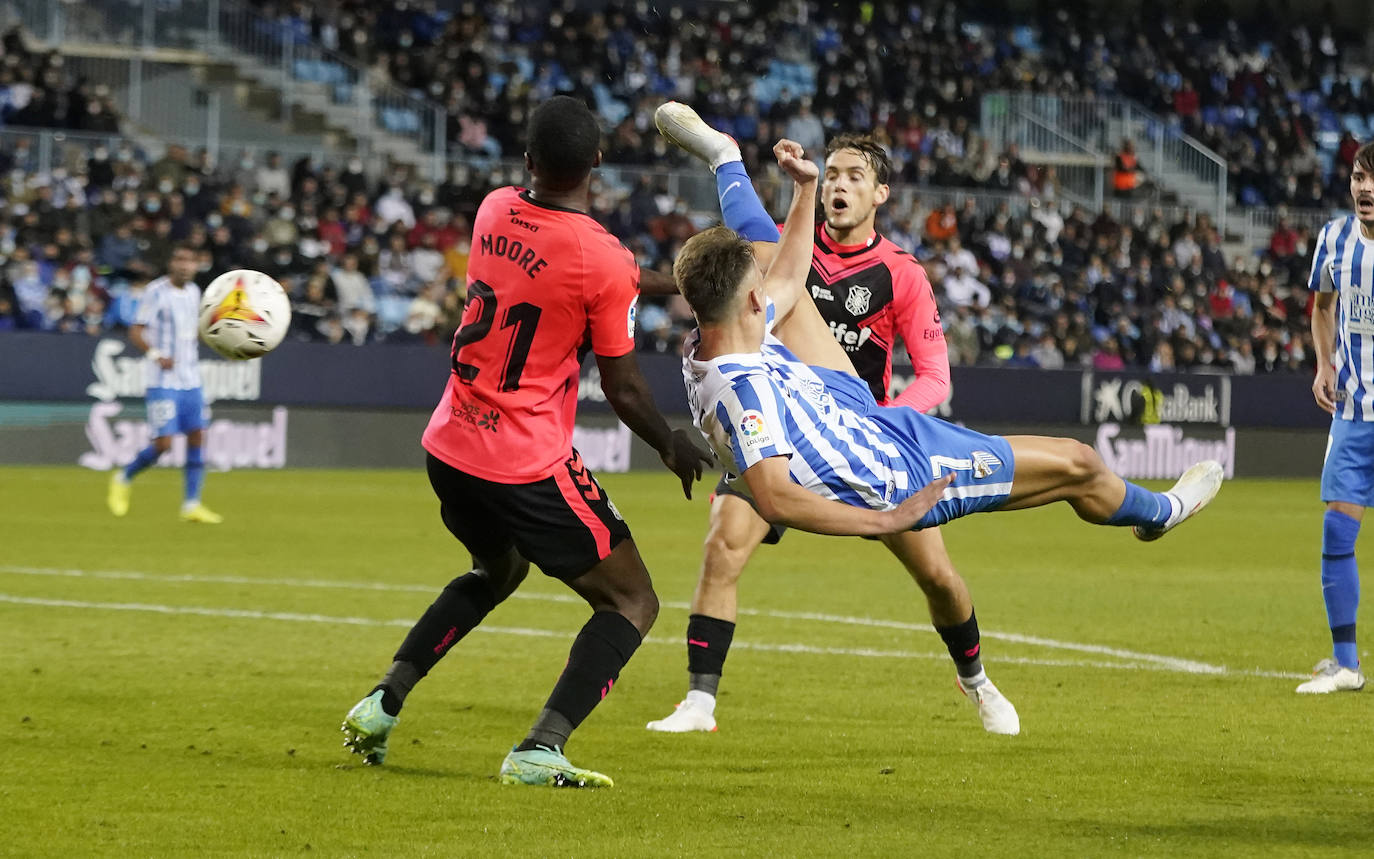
point(734, 532)
point(457, 611)
point(951, 612)
point(740, 207)
point(1341, 593)
point(624, 607)
point(1060, 469)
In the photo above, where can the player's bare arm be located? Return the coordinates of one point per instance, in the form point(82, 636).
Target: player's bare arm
point(654, 282)
point(782, 501)
point(136, 333)
point(1323, 338)
point(785, 280)
point(629, 395)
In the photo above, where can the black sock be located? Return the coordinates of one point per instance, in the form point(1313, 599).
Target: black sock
point(605, 644)
point(459, 608)
point(396, 685)
point(708, 642)
point(964, 646)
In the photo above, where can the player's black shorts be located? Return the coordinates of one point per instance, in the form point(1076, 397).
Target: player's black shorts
point(775, 532)
point(564, 524)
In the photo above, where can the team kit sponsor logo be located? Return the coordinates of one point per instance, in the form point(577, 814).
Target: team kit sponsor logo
point(229, 444)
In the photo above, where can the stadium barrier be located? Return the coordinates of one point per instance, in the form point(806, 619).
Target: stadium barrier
point(79, 400)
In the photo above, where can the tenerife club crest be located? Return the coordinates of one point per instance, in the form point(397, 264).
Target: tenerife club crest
point(857, 300)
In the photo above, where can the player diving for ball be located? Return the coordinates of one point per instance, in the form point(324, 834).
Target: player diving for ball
point(871, 293)
point(780, 403)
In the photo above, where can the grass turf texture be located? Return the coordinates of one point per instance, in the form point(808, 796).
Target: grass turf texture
point(154, 732)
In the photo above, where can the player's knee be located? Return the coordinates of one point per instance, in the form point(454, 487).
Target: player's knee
point(162, 444)
point(640, 608)
point(723, 558)
point(505, 575)
point(1082, 463)
point(939, 578)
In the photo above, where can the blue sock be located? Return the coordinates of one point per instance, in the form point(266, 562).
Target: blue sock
point(195, 473)
point(1341, 584)
point(739, 204)
point(142, 460)
point(1142, 507)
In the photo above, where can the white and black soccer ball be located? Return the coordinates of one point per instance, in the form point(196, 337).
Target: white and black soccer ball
point(244, 314)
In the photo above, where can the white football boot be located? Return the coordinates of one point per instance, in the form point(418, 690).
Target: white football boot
point(695, 713)
point(1194, 489)
point(682, 127)
point(997, 713)
point(1330, 676)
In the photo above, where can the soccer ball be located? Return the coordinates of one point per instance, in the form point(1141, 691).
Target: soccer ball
point(244, 314)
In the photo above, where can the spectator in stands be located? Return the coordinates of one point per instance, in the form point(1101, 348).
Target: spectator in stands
point(352, 288)
point(272, 178)
point(1126, 171)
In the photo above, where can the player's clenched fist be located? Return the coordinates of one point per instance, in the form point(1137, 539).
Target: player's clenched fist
point(792, 159)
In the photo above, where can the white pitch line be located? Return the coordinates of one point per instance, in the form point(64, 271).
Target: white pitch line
point(1173, 663)
point(863, 652)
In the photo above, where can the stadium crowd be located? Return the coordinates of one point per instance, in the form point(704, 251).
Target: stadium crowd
point(37, 92)
point(1284, 114)
point(371, 254)
point(369, 259)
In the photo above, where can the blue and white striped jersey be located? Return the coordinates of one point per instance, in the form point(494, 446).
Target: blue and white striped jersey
point(1344, 263)
point(754, 406)
point(171, 315)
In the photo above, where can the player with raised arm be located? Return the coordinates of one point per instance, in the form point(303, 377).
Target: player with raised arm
point(778, 400)
point(870, 293)
point(545, 283)
point(1343, 336)
point(166, 329)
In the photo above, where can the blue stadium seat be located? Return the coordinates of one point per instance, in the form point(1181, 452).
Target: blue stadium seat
point(400, 120)
point(392, 311)
point(1354, 123)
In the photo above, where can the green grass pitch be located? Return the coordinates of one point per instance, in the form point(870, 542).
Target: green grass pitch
point(176, 690)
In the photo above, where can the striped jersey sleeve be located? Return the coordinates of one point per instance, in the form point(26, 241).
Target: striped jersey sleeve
point(1319, 280)
point(753, 415)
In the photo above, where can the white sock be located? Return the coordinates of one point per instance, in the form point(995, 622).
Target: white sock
point(1175, 507)
point(701, 700)
point(971, 683)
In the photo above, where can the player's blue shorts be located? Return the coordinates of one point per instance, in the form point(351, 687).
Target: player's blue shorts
point(172, 411)
point(1348, 473)
point(982, 465)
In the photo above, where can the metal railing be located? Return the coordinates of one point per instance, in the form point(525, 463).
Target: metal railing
point(1168, 156)
point(1007, 121)
point(130, 45)
point(40, 151)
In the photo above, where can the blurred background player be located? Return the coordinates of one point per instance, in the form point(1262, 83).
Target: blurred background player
point(870, 292)
point(1343, 268)
point(545, 282)
point(779, 402)
point(166, 328)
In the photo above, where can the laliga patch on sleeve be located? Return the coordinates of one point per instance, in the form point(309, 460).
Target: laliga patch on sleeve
point(753, 432)
point(630, 317)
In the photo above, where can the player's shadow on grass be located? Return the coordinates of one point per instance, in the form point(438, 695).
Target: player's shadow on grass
point(1326, 830)
point(394, 771)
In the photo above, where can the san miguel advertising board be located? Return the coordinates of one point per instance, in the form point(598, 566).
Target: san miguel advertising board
point(1143, 425)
